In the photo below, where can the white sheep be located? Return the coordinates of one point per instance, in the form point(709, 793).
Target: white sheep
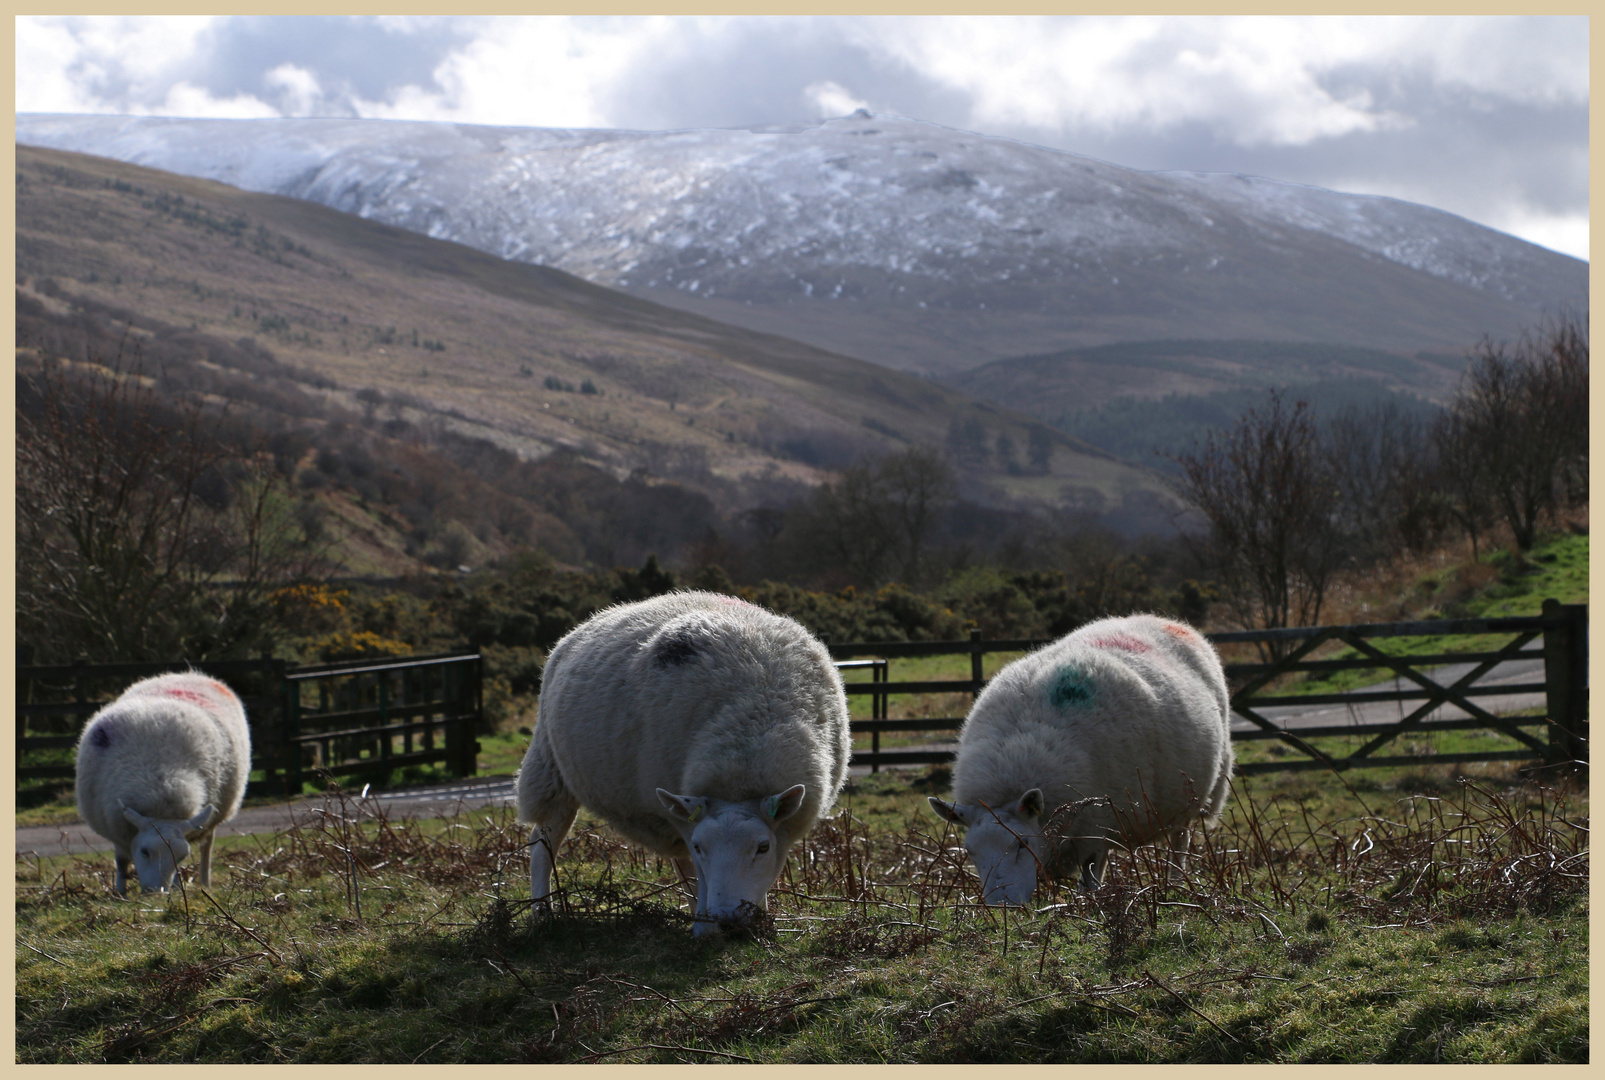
point(164, 764)
point(700, 726)
point(1120, 729)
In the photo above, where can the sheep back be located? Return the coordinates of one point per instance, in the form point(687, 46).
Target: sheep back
point(697, 693)
point(1134, 709)
point(166, 747)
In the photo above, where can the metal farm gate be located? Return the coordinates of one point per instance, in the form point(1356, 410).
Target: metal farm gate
point(1557, 640)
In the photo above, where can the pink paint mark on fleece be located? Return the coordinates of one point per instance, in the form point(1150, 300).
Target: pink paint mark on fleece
point(190, 696)
point(1121, 641)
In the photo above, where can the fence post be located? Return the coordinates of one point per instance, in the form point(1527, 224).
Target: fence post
point(1566, 679)
point(289, 742)
point(975, 660)
point(468, 763)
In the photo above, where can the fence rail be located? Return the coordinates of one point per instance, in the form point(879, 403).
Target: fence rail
point(1559, 735)
point(359, 717)
point(368, 717)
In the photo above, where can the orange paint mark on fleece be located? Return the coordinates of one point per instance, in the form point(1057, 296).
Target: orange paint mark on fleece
point(1179, 632)
point(1121, 641)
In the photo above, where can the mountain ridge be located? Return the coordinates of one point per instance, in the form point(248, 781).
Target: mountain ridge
point(905, 243)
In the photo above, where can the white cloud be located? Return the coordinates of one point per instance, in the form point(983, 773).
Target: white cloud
point(1565, 233)
point(1253, 81)
point(830, 99)
point(45, 83)
point(547, 71)
point(100, 63)
point(299, 92)
point(183, 99)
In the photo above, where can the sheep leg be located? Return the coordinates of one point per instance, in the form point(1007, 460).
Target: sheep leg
point(545, 801)
point(544, 840)
point(1092, 871)
point(203, 849)
point(125, 866)
point(1181, 842)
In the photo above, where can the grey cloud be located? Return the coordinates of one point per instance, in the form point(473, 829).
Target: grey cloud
point(755, 73)
point(350, 57)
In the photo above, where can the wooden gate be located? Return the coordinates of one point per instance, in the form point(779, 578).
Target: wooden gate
point(1558, 637)
point(362, 717)
point(369, 718)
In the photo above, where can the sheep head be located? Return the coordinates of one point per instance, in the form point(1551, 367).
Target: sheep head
point(161, 844)
point(1005, 844)
point(738, 849)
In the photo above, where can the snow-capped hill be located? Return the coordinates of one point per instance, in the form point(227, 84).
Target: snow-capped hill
point(888, 238)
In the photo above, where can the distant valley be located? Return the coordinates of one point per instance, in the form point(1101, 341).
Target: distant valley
point(374, 319)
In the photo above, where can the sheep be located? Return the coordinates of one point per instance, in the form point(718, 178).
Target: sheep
point(1121, 728)
point(703, 728)
point(161, 766)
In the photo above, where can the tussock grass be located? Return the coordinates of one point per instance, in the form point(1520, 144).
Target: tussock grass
point(1318, 923)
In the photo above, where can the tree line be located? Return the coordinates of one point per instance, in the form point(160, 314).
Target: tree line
point(1291, 501)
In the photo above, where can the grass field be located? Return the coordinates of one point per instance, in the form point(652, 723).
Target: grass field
point(1387, 915)
point(1420, 919)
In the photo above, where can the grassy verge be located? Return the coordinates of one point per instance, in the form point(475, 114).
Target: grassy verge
point(1321, 922)
point(1519, 585)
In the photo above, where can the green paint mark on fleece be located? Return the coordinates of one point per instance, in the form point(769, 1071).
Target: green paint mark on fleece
point(1070, 687)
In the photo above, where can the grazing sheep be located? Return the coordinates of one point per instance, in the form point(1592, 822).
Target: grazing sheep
point(1121, 729)
point(698, 725)
point(164, 764)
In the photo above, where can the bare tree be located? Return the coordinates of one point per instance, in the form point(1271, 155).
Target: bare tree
point(1266, 489)
point(1515, 442)
point(846, 527)
point(915, 486)
point(875, 522)
point(1382, 460)
point(140, 534)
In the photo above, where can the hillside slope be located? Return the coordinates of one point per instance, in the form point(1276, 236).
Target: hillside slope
point(530, 358)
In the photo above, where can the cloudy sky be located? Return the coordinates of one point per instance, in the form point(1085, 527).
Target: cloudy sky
point(1484, 117)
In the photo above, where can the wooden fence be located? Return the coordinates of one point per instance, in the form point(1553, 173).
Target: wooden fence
point(353, 718)
point(1559, 735)
point(367, 717)
point(55, 701)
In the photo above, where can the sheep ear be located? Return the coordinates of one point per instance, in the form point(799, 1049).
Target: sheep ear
point(948, 811)
point(133, 816)
point(778, 808)
point(1030, 805)
point(198, 822)
point(687, 808)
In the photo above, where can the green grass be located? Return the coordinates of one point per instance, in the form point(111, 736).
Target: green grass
point(1319, 923)
point(1556, 568)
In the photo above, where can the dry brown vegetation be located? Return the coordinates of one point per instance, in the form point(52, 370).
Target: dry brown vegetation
point(1316, 925)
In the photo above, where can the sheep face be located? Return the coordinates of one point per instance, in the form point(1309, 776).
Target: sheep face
point(737, 848)
point(1004, 843)
point(160, 846)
